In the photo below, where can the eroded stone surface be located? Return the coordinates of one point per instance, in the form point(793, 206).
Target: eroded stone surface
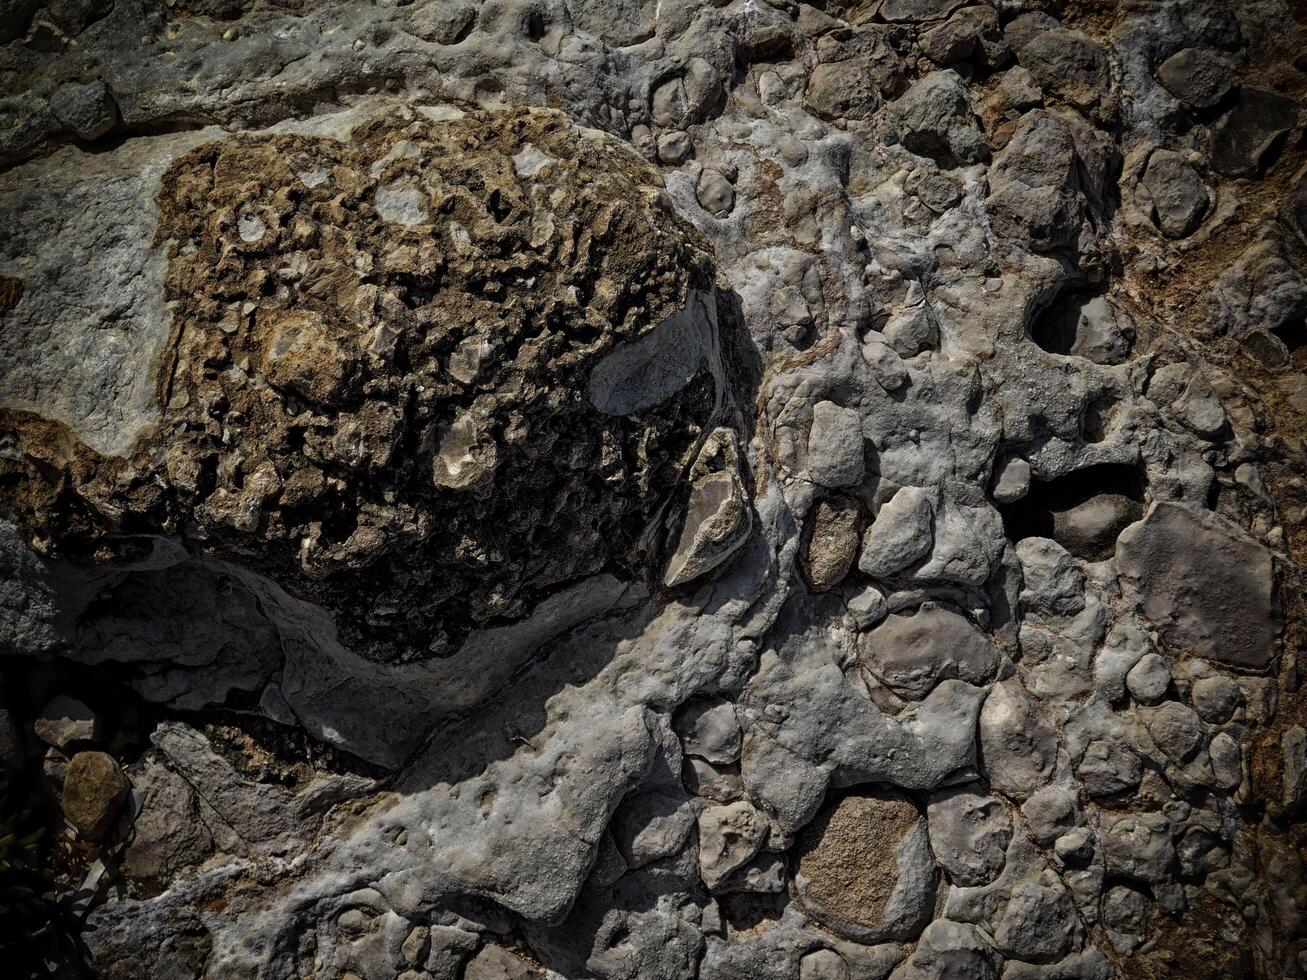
point(640, 537)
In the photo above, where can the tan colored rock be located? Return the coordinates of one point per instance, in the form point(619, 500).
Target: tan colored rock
point(94, 791)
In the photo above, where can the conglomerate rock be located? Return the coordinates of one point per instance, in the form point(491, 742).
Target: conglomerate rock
point(631, 489)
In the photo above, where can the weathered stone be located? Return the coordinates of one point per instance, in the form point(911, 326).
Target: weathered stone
point(1215, 698)
point(1108, 768)
point(934, 119)
point(87, 110)
point(835, 446)
point(969, 835)
point(1011, 480)
point(1089, 529)
point(709, 730)
point(901, 535)
point(94, 791)
point(1149, 679)
point(497, 963)
point(66, 720)
point(911, 654)
point(865, 868)
point(1199, 77)
point(717, 522)
point(1176, 194)
point(1139, 846)
point(1054, 583)
point(831, 542)
point(1177, 730)
point(168, 833)
point(729, 836)
point(1208, 586)
point(1019, 746)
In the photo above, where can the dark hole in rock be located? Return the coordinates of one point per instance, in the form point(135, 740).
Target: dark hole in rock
point(1083, 511)
point(1097, 418)
point(1085, 324)
point(747, 910)
point(1294, 335)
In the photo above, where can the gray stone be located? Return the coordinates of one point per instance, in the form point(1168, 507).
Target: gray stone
point(1011, 480)
point(1139, 846)
point(918, 10)
point(1200, 77)
point(1293, 750)
point(86, 110)
point(1034, 194)
point(650, 826)
point(969, 834)
point(1019, 746)
point(911, 654)
point(901, 535)
point(949, 949)
point(718, 521)
point(675, 148)
point(935, 119)
point(1216, 698)
point(1108, 768)
point(1051, 812)
point(1227, 761)
point(1071, 66)
point(1149, 679)
point(1089, 529)
point(729, 837)
point(1054, 583)
point(1208, 586)
point(972, 32)
point(1177, 195)
point(1125, 916)
point(168, 833)
point(716, 194)
point(823, 964)
point(1177, 730)
point(497, 963)
point(1039, 923)
point(844, 89)
point(835, 446)
point(709, 730)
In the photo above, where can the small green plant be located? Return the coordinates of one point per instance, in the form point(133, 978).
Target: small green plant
point(21, 906)
point(34, 940)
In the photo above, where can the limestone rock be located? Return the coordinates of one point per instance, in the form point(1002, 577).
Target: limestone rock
point(901, 535)
point(728, 837)
point(1210, 588)
point(969, 835)
point(835, 446)
point(912, 653)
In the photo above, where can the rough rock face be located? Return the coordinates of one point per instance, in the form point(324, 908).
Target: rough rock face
point(626, 489)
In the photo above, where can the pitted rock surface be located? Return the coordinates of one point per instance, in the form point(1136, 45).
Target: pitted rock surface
point(621, 489)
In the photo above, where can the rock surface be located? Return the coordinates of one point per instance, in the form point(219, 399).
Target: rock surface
point(628, 489)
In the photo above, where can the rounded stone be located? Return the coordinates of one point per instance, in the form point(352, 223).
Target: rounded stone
point(1149, 679)
point(865, 869)
point(910, 654)
point(1216, 698)
point(94, 791)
